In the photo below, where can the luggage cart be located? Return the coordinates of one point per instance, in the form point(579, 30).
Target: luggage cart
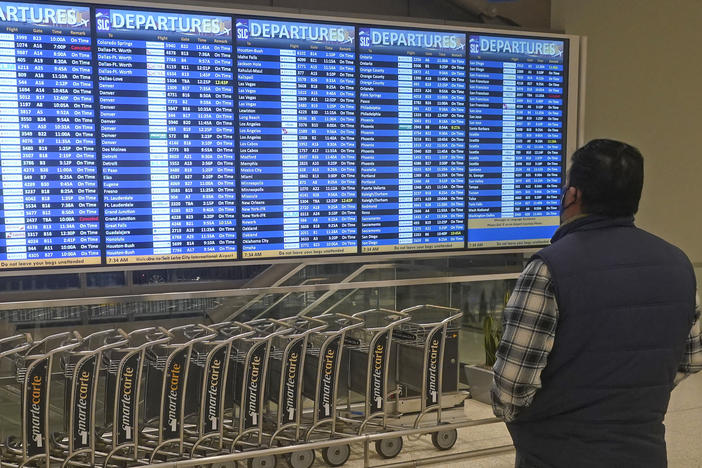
point(211, 362)
point(367, 364)
point(83, 368)
point(321, 378)
point(15, 344)
point(119, 441)
point(167, 387)
point(421, 346)
point(10, 347)
point(34, 375)
point(250, 366)
point(287, 362)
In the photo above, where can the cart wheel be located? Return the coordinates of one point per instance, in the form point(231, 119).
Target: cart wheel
point(303, 459)
point(389, 448)
point(444, 440)
point(336, 456)
point(268, 461)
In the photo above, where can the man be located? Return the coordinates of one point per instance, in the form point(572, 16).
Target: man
point(597, 326)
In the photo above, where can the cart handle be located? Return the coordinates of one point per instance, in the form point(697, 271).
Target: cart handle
point(400, 317)
point(60, 349)
point(222, 326)
point(12, 341)
point(356, 322)
point(59, 337)
point(432, 306)
point(116, 334)
point(142, 333)
point(209, 334)
point(262, 325)
point(269, 334)
point(455, 313)
point(321, 325)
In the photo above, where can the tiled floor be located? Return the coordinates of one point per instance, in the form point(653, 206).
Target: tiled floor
point(474, 438)
point(683, 423)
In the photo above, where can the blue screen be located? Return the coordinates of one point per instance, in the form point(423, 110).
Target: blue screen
point(166, 101)
point(50, 202)
point(132, 136)
point(297, 126)
point(412, 129)
point(516, 140)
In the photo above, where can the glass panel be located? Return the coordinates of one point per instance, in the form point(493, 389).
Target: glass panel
point(196, 275)
point(15, 284)
point(310, 288)
point(106, 279)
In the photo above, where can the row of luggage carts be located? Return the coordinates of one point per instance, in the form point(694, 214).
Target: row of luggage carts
point(118, 399)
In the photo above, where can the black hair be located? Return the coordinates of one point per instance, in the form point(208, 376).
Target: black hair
point(609, 175)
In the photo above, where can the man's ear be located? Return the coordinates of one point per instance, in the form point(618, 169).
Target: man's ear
point(577, 196)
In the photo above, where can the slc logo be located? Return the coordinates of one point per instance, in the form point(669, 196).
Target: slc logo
point(242, 30)
point(103, 21)
point(474, 46)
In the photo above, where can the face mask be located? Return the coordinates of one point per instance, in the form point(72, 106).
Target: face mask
point(564, 191)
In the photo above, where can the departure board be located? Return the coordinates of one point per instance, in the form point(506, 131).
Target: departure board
point(50, 212)
point(516, 148)
point(297, 126)
point(166, 100)
point(412, 139)
point(138, 135)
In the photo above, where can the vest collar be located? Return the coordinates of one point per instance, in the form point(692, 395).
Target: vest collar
point(591, 222)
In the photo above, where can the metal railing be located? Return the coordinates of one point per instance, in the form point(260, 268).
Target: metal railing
point(349, 279)
point(257, 292)
point(282, 299)
point(365, 439)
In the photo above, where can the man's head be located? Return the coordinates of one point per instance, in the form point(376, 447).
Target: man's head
point(605, 178)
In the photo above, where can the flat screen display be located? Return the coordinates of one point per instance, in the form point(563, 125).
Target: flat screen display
point(297, 127)
point(517, 121)
point(134, 135)
point(48, 150)
point(412, 131)
point(166, 102)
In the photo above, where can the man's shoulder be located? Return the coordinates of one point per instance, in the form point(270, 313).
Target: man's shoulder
point(667, 252)
point(536, 267)
point(662, 242)
point(628, 244)
point(563, 244)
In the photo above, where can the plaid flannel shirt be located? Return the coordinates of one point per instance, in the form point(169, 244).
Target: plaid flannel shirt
point(530, 320)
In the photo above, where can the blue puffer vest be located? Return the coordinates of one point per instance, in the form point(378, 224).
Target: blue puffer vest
point(626, 304)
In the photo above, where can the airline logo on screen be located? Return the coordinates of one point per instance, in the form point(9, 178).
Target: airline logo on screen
point(123, 20)
point(323, 34)
point(45, 15)
point(438, 41)
point(502, 46)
